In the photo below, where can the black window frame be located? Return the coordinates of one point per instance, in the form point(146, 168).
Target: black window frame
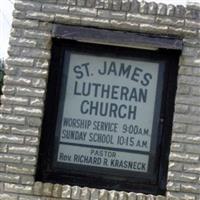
point(46, 171)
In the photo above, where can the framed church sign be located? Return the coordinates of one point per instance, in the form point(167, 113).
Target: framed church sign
point(108, 116)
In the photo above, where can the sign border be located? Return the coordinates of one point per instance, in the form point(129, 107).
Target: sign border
point(47, 171)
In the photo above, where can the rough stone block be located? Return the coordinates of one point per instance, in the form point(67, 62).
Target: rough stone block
point(28, 111)
point(19, 23)
point(66, 191)
point(34, 121)
point(57, 189)
point(184, 157)
point(4, 196)
point(177, 147)
point(33, 141)
point(27, 180)
point(13, 80)
point(16, 188)
point(103, 194)
point(23, 5)
point(126, 5)
point(116, 4)
point(33, 15)
point(173, 186)
point(11, 178)
point(86, 21)
point(21, 61)
point(92, 12)
point(25, 131)
point(138, 18)
point(183, 177)
point(10, 119)
point(162, 9)
point(124, 25)
point(85, 194)
point(143, 7)
point(47, 189)
point(32, 92)
point(26, 150)
point(68, 19)
point(175, 166)
point(152, 9)
point(37, 188)
point(94, 194)
point(29, 160)
point(10, 158)
point(170, 10)
point(11, 100)
point(113, 195)
point(7, 138)
point(20, 169)
point(52, 8)
point(22, 42)
point(76, 192)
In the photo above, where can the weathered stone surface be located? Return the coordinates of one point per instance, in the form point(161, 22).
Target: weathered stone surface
point(175, 166)
point(66, 191)
point(27, 150)
point(8, 196)
point(52, 8)
point(162, 9)
point(183, 177)
point(152, 8)
point(20, 169)
point(47, 189)
point(12, 178)
point(57, 189)
point(94, 194)
point(112, 195)
point(27, 180)
point(75, 192)
point(10, 119)
point(174, 186)
point(85, 194)
point(37, 188)
point(16, 188)
point(170, 10)
point(83, 11)
point(29, 160)
point(103, 194)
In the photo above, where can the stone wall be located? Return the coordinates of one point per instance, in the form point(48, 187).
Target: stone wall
point(25, 87)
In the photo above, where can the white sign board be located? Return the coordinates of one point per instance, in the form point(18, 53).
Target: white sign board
point(109, 104)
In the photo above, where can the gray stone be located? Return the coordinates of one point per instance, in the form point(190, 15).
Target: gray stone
point(37, 188)
point(94, 194)
point(90, 3)
point(170, 10)
point(113, 195)
point(126, 5)
point(116, 4)
point(85, 194)
point(20, 169)
point(66, 191)
point(162, 9)
point(76, 192)
point(47, 189)
point(16, 188)
point(103, 194)
point(180, 11)
point(152, 9)
point(135, 6)
point(144, 7)
point(57, 189)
